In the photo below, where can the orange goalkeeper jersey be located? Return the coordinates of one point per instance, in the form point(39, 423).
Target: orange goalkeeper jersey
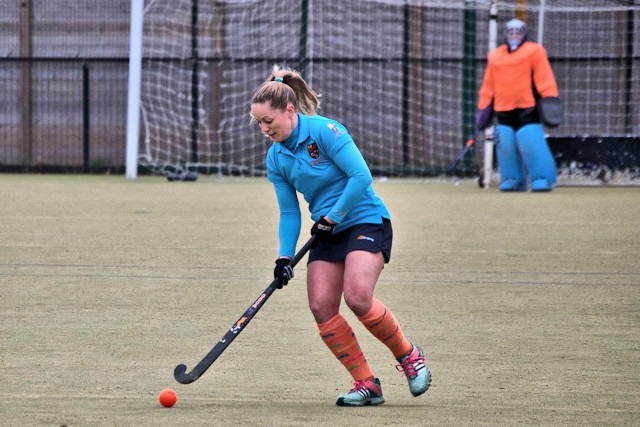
point(508, 77)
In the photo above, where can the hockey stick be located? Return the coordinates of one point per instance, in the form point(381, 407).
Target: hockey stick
point(180, 373)
point(470, 142)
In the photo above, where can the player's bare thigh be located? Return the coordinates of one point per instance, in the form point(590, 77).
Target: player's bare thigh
point(324, 288)
point(361, 273)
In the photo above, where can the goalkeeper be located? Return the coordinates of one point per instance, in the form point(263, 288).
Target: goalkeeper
point(514, 70)
point(317, 157)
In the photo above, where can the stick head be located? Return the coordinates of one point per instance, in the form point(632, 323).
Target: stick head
point(180, 374)
point(452, 169)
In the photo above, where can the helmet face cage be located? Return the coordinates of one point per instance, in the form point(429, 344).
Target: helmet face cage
point(515, 33)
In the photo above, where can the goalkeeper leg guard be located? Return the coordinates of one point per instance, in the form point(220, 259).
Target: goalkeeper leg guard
point(537, 157)
point(510, 164)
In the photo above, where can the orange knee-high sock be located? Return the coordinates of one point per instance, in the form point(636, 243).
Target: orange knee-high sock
point(384, 326)
point(341, 340)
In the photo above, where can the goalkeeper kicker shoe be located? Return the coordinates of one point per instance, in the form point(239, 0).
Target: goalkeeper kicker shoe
point(414, 368)
point(363, 393)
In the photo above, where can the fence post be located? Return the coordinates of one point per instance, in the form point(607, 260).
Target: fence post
point(304, 22)
point(86, 123)
point(469, 74)
point(25, 91)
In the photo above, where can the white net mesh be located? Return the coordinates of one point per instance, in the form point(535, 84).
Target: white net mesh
point(402, 76)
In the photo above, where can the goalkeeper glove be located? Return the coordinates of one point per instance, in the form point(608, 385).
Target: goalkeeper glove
point(484, 117)
point(283, 272)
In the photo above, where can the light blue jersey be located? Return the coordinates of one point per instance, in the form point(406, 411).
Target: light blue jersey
point(321, 161)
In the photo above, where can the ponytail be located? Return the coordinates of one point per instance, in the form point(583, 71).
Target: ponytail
point(286, 86)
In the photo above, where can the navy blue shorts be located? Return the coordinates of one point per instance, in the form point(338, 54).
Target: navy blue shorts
point(362, 237)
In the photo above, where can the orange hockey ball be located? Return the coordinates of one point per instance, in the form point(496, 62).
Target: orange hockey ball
point(168, 398)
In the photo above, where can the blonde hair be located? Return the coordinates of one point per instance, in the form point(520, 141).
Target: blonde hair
point(286, 86)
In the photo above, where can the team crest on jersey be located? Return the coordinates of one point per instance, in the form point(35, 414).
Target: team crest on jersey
point(337, 132)
point(313, 150)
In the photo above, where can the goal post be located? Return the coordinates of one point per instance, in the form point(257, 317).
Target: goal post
point(487, 163)
point(133, 93)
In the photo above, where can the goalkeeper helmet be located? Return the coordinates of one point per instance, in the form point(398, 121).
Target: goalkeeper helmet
point(515, 33)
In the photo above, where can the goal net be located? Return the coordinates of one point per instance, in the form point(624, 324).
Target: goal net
point(402, 76)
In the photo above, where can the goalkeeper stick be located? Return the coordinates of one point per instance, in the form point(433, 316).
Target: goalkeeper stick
point(180, 373)
point(470, 142)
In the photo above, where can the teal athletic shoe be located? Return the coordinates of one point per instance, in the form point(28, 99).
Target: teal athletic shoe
point(363, 393)
point(414, 368)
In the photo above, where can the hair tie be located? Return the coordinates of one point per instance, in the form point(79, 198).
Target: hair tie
point(278, 79)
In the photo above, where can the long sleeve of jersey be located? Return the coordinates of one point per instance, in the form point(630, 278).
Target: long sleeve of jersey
point(349, 159)
point(290, 216)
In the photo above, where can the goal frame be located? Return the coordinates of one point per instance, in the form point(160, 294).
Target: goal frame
point(134, 91)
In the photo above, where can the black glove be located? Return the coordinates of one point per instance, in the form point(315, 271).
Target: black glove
point(484, 117)
point(283, 272)
point(322, 230)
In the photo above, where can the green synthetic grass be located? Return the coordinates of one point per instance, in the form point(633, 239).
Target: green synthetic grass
point(527, 306)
